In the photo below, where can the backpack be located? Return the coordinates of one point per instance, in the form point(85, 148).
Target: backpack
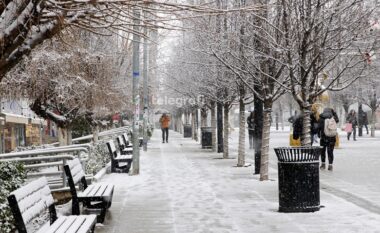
point(331, 128)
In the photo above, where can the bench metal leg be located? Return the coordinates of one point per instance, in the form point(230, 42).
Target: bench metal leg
point(100, 218)
point(75, 207)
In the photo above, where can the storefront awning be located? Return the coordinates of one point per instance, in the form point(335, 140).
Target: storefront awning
point(18, 119)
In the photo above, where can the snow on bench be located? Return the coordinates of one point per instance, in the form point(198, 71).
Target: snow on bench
point(124, 149)
point(95, 196)
point(31, 200)
point(117, 159)
point(126, 142)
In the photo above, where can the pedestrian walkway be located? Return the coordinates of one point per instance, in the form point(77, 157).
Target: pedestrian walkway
point(185, 189)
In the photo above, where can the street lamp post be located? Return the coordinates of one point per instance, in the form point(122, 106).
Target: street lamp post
point(145, 87)
point(136, 96)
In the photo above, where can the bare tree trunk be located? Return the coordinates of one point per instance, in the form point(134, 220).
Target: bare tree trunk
point(62, 136)
point(264, 161)
point(282, 117)
point(373, 123)
point(219, 119)
point(192, 125)
point(180, 124)
point(196, 125)
point(241, 150)
point(226, 131)
point(203, 117)
point(213, 126)
point(95, 133)
point(258, 132)
point(342, 116)
point(306, 134)
point(69, 135)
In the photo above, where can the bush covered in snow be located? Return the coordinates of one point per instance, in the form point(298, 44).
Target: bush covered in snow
point(12, 175)
point(98, 158)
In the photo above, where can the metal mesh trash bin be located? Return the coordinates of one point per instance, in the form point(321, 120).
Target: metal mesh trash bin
point(298, 178)
point(187, 131)
point(206, 137)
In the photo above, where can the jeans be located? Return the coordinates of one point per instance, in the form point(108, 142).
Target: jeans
point(165, 132)
point(330, 152)
point(251, 138)
point(366, 127)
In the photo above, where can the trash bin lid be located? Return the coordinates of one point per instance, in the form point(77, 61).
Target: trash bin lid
point(298, 154)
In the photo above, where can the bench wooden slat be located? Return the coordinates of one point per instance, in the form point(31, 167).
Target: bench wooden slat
point(66, 224)
point(105, 190)
point(112, 146)
point(79, 221)
point(47, 228)
point(100, 191)
point(76, 169)
point(109, 190)
point(88, 224)
point(124, 157)
point(94, 190)
point(86, 191)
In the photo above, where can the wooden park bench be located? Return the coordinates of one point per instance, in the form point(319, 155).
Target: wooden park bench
point(124, 146)
point(141, 141)
point(117, 159)
point(126, 141)
point(94, 196)
point(33, 199)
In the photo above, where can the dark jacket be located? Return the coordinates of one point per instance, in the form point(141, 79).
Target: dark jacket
point(314, 124)
point(251, 122)
point(352, 119)
point(365, 118)
point(298, 125)
point(327, 114)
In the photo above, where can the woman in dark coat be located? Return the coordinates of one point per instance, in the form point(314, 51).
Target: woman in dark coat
point(298, 127)
point(352, 119)
point(327, 142)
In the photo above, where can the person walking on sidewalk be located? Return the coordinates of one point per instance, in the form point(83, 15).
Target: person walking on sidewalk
point(365, 120)
point(352, 119)
point(164, 121)
point(251, 127)
point(327, 132)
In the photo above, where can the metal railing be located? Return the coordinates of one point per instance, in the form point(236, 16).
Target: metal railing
point(47, 158)
point(44, 161)
point(101, 134)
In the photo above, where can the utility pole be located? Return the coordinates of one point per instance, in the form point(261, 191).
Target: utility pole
point(145, 88)
point(136, 96)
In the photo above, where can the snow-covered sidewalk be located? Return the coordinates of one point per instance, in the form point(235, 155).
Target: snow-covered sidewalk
point(185, 189)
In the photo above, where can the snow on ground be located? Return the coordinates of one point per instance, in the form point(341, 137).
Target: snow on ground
point(183, 188)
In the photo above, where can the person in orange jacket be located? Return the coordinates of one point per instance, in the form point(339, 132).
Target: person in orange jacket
point(164, 121)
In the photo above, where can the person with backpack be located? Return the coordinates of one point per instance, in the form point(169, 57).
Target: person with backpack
point(327, 133)
point(352, 119)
